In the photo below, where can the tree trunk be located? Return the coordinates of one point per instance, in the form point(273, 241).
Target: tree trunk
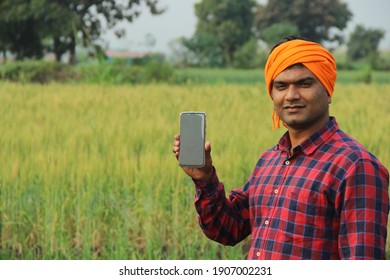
point(58, 49)
point(4, 55)
point(72, 50)
point(229, 57)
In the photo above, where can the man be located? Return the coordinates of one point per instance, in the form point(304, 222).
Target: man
point(317, 194)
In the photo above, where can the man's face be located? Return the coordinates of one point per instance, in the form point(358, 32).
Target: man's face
point(300, 100)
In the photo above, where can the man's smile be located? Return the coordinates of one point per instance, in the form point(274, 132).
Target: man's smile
point(293, 108)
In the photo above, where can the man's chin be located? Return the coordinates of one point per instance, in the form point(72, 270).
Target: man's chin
point(296, 124)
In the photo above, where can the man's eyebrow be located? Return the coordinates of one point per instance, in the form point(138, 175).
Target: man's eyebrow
point(306, 79)
point(300, 81)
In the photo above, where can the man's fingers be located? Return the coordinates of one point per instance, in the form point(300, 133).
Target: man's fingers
point(176, 145)
point(207, 147)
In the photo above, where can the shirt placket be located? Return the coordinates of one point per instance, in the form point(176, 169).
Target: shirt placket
point(276, 193)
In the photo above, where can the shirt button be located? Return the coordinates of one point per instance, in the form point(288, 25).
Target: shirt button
point(287, 162)
point(266, 222)
point(276, 191)
point(258, 254)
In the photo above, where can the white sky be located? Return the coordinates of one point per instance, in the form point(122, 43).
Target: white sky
point(179, 21)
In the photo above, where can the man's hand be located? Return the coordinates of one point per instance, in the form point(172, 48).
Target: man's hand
point(199, 174)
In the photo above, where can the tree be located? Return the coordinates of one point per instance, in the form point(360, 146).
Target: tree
point(316, 20)
point(248, 55)
point(85, 18)
point(21, 39)
point(206, 50)
point(223, 26)
point(271, 35)
point(21, 29)
point(65, 22)
point(364, 42)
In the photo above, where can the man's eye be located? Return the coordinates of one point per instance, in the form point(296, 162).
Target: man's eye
point(304, 84)
point(280, 86)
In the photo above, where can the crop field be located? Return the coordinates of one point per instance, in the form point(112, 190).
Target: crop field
point(87, 171)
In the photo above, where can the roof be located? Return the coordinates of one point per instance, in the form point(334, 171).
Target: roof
point(125, 54)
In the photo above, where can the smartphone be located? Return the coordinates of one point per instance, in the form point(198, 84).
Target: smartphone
point(192, 139)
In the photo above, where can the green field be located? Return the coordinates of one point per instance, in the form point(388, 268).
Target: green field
point(87, 170)
point(253, 76)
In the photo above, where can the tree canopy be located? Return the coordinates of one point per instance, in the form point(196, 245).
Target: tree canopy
point(316, 20)
point(228, 30)
point(28, 27)
point(223, 26)
point(364, 42)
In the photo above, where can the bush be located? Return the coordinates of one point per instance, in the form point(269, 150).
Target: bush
point(158, 72)
point(247, 57)
point(365, 76)
point(345, 66)
point(117, 72)
point(34, 71)
point(383, 63)
point(112, 73)
point(120, 73)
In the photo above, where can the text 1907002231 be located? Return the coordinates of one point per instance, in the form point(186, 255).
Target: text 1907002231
point(175, 271)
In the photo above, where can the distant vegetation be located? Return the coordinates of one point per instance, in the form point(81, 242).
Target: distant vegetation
point(114, 73)
point(30, 29)
point(234, 34)
point(160, 71)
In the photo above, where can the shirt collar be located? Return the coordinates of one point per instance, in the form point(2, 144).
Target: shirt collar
point(309, 145)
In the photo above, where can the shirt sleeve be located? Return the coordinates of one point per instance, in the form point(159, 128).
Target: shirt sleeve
point(364, 208)
point(224, 220)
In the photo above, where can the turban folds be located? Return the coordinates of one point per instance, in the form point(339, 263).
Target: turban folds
point(312, 55)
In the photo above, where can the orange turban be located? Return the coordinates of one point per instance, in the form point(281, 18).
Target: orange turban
point(312, 55)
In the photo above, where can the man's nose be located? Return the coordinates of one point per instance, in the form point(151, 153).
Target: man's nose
point(293, 93)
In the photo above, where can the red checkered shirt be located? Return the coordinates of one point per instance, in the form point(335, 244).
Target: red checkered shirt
point(327, 200)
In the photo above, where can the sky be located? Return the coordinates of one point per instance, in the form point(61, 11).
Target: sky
point(179, 21)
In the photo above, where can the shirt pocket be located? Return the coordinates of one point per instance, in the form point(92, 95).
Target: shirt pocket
point(307, 207)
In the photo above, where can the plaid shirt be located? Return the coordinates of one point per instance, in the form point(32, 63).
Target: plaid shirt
point(327, 200)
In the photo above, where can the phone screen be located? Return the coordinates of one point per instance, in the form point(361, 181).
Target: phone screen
point(192, 139)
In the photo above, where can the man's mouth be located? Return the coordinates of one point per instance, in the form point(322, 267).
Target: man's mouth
point(293, 108)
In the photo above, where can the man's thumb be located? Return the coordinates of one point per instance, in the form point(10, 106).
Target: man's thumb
point(207, 147)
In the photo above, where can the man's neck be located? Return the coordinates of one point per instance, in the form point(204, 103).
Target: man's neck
point(297, 136)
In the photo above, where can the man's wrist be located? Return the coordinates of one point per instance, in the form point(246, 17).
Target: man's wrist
point(207, 179)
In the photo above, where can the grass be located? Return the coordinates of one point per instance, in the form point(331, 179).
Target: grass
point(88, 171)
point(255, 76)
